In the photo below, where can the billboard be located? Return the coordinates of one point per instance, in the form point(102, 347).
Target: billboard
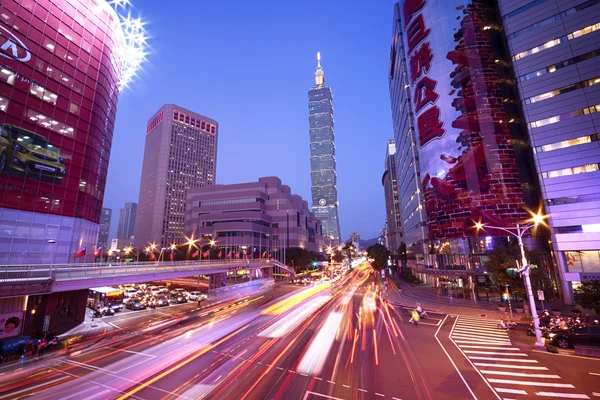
point(11, 324)
point(58, 96)
point(467, 162)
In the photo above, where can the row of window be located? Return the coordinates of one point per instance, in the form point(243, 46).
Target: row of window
point(579, 228)
point(560, 65)
point(570, 171)
point(564, 116)
point(523, 9)
point(241, 200)
point(192, 121)
point(557, 41)
point(562, 90)
point(584, 198)
point(553, 18)
point(567, 143)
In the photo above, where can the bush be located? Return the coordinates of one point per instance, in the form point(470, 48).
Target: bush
point(555, 309)
point(551, 349)
point(576, 311)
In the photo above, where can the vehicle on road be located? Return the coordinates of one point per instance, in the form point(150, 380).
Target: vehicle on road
point(154, 290)
point(179, 292)
point(194, 296)
point(130, 293)
point(106, 296)
point(162, 301)
point(577, 336)
point(135, 305)
point(178, 299)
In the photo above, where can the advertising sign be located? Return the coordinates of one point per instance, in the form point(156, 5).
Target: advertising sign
point(58, 98)
point(11, 324)
point(466, 157)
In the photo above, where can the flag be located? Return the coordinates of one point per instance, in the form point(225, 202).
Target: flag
point(270, 255)
point(206, 254)
point(263, 255)
point(152, 256)
point(195, 254)
point(228, 254)
point(237, 255)
point(98, 252)
point(81, 253)
point(171, 256)
point(219, 254)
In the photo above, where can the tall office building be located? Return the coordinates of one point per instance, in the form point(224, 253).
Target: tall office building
point(180, 154)
point(410, 195)
point(392, 200)
point(555, 49)
point(322, 156)
point(355, 240)
point(105, 220)
point(126, 228)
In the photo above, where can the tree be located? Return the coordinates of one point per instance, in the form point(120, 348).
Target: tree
point(380, 255)
point(298, 257)
point(338, 257)
point(348, 249)
point(588, 295)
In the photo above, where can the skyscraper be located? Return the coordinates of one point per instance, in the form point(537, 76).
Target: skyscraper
point(180, 154)
point(554, 49)
point(392, 201)
point(105, 218)
point(355, 239)
point(126, 228)
point(410, 195)
point(322, 156)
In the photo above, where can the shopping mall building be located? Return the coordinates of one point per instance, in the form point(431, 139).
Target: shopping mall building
point(60, 76)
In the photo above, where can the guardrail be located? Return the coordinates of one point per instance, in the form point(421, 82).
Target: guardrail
point(41, 278)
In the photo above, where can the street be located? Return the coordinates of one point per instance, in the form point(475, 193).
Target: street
point(321, 341)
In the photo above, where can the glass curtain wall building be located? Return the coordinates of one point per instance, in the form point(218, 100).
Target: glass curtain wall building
point(392, 201)
point(322, 157)
point(408, 176)
point(554, 46)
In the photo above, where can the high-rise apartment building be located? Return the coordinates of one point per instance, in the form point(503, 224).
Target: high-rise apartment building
point(555, 49)
point(392, 200)
point(408, 178)
point(180, 154)
point(323, 175)
point(105, 220)
point(126, 227)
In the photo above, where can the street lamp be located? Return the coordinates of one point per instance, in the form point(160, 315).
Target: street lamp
point(536, 220)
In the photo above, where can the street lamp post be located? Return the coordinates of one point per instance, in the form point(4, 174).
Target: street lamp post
point(524, 269)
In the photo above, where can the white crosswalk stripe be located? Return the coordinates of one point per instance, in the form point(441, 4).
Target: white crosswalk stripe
point(506, 370)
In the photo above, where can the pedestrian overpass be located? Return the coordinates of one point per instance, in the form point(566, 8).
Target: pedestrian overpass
point(21, 280)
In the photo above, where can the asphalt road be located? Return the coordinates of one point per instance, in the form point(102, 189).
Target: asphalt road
point(317, 342)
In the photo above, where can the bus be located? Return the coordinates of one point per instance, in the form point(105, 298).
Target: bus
point(106, 296)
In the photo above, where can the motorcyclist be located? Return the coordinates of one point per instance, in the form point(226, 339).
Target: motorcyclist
point(502, 324)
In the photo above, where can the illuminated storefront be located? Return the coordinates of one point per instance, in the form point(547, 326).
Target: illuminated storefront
point(61, 70)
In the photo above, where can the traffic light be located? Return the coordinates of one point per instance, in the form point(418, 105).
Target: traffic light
point(511, 271)
point(505, 296)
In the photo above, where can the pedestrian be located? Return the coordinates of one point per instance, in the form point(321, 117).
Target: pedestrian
point(29, 348)
point(42, 347)
point(36, 349)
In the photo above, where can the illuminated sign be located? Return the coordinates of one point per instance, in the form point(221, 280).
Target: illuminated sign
point(155, 121)
point(12, 47)
point(194, 122)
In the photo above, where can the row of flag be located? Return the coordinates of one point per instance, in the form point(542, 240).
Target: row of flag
point(206, 254)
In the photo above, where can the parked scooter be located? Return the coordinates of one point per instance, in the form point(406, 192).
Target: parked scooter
point(108, 312)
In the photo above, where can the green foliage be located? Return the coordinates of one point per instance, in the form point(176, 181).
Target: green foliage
point(588, 295)
point(402, 254)
point(501, 259)
point(380, 255)
point(338, 257)
point(298, 257)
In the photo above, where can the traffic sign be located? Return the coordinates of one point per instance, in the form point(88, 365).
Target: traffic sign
point(46, 323)
point(541, 295)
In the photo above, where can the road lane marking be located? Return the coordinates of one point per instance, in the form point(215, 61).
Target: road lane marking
point(510, 373)
point(495, 353)
point(131, 351)
point(528, 383)
point(503, 359)
point(362, 390)
point(379, 394)
point(491, 343)
point(332, 382)
point(491, 331)
point(106, 391)
point(563, 395)
point(316, 377)
point(346, 386)
point(462, 346)
point(30, 388)
point(511, 391)
point(320, 395)
point(593, 373)
point(116, 326)
point(510, 366)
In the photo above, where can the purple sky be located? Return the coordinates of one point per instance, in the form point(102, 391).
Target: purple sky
point(249, 64)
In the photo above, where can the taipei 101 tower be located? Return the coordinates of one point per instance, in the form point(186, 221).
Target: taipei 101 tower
point(322, 157)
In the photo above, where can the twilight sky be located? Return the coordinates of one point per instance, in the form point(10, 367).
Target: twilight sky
point(249, 65)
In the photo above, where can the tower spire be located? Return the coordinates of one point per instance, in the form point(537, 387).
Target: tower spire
point(319, 74)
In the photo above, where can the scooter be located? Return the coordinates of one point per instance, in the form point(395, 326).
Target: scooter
point(422, 314)
point(108, 312)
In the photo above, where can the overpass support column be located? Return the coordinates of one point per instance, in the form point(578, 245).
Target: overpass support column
point(65, 309)
point(215, 281)
point(267, 272)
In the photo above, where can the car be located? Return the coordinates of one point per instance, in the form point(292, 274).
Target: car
point(130, 292)
point(163, 289)
point(154, 290)
point(179, 291)
point(194, 296)
point(162, 301)
point(178, 299)
point(577, 336)
point(30, 154)
point(135, 305)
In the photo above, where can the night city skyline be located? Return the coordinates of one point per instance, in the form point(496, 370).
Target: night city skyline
point(274, 75)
